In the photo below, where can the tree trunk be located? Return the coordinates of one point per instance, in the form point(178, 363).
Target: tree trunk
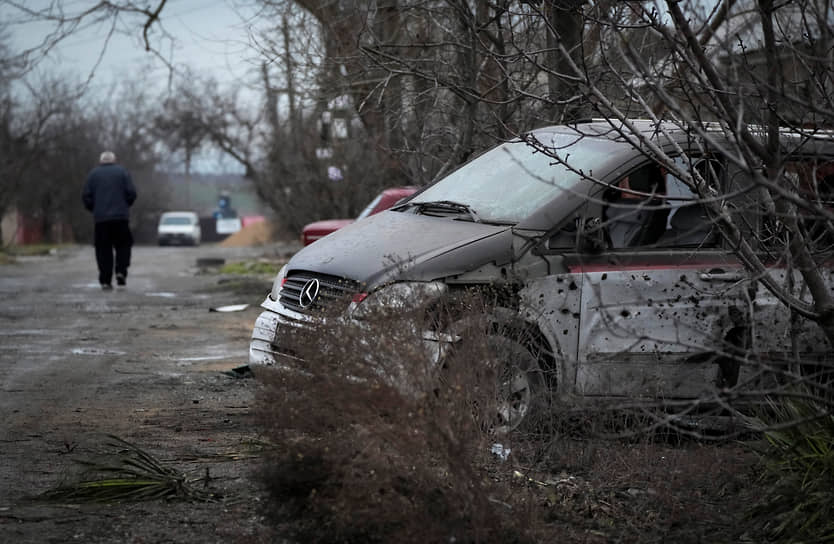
point(564, 21)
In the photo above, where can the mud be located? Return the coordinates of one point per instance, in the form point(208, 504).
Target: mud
point(146, 364)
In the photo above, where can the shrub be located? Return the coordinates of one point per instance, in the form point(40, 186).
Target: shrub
point(799, 465)
point(379, 444)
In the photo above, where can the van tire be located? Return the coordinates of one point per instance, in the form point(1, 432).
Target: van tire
point(519, 399)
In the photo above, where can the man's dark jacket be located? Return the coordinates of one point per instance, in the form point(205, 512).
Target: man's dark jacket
point(109, 192)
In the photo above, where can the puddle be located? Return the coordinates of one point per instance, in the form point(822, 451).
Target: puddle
point(217, 352)
point(86, 286)
point(95, 351)
point(25, 332)
point(171, 374)
point(205, 358)
point(163, 294)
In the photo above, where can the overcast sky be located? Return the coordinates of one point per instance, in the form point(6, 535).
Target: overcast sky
point(210, 36)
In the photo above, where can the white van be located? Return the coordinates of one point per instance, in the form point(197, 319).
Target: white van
point(181, 228)
point(610, 265)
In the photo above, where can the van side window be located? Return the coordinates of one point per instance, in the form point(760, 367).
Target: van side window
point(634, 210)
point(651, 208)
point(688, 225)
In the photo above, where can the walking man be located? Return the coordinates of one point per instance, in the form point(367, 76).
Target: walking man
point(109, 193)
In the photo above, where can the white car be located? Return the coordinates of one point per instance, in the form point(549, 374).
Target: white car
point(179, 228)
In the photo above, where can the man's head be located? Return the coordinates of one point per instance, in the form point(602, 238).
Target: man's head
point(107, 157)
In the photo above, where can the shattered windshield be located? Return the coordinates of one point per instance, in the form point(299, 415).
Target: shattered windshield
point(510, 182)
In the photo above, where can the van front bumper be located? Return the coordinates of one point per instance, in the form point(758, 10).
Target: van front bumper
point(267, 345)
point(261, 350)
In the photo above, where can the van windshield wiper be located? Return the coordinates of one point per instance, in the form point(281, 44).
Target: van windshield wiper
point(443, 206)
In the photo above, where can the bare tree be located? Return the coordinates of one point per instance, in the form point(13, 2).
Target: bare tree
point(67, 135)
point(752, 80)
point(750, 68)
point(106, 18)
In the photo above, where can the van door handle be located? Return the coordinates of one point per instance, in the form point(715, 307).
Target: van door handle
point(720, 275)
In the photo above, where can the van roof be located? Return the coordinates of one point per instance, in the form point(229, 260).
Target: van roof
point(613, 129)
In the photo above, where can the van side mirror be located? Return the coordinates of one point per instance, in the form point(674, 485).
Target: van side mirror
point(591, 238)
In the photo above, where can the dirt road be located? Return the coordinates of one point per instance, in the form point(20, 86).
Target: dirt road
point(145, 364)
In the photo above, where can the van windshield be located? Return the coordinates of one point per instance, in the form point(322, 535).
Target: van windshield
point(508, 183)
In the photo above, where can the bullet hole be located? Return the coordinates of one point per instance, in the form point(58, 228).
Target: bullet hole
point(573, 286)
point(604, 276)
point(651, 303)
point(565, 332)
point(561, 291)
point(625, 313)
point(683, 278)
point(565, 311)
point(576, 315)
point(560, 280)
point(646, 277)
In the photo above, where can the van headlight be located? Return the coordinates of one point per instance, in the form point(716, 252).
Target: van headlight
point(396, 298)
point(278, 282)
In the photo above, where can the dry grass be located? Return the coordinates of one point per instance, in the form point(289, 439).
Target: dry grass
point(125, 473)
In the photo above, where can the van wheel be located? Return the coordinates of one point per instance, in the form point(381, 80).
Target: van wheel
point(519, 396)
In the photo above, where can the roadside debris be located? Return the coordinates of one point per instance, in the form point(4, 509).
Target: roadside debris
point(230, 308)
point(242, 371)
point(500, 451)
point(208, 262)
point(127, 474)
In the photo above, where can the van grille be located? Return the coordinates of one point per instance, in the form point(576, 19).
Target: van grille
point(333, 298)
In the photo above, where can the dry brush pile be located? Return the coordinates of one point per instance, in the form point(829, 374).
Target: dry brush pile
point(376, 444)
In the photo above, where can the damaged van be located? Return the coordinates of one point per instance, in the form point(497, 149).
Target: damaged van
point(613, 267)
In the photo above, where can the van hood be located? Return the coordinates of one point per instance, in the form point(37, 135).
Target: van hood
point(392, 246)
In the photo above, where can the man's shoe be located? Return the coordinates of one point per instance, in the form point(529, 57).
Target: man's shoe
point(106, 287)
point(121, 279)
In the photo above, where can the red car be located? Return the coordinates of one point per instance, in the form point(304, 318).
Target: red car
point(384, 200)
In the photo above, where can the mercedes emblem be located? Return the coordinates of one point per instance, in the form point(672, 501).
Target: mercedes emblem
point(309, 293)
